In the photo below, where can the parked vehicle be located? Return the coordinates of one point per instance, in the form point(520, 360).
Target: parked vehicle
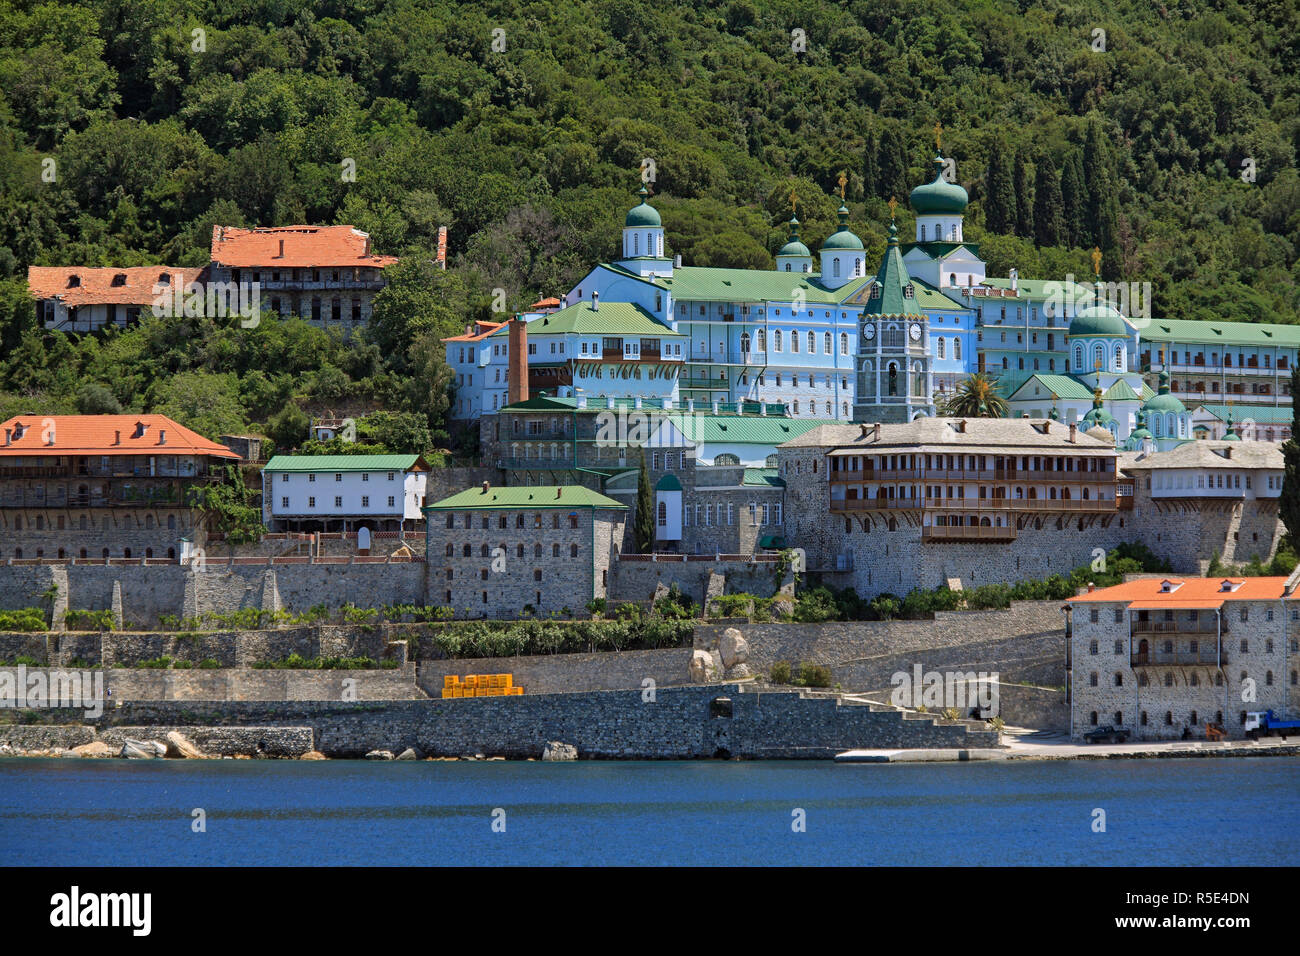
point(1262, 723)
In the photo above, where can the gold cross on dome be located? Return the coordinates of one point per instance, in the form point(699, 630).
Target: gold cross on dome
point(938, 133)
point(1096, 261)
point(843, 181)
point(892, 204)
point(793, 199)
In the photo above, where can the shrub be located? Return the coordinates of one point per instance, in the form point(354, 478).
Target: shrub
point(209, 663)
point(814, 675)
point(780, 672)
point(89, 620)
point(158, 663)
point(25, 619)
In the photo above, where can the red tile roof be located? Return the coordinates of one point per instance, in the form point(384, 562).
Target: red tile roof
point(103, 285)
point(548, 303)
point(1146, 593)
point(103, 435)
point(481, 330)
point(303, 247)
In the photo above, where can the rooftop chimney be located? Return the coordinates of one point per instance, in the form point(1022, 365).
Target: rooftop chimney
point(486, 487)
point(9, 436)
point(677, 261)
point(517, 368)
point(1074, 431)
point(162, 436)
point(117, 436)
point(595, 301)
point(557, 492)
point(281, 256)
point(865, 431)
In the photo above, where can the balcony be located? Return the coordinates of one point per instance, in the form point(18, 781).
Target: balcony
point(551, 464)
point(1089, 506)
point(968, 532)
point(1182, 658)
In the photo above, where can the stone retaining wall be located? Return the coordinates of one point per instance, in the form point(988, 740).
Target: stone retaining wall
point(567, 673)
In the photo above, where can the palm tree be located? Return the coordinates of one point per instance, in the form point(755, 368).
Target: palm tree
point(976, 397)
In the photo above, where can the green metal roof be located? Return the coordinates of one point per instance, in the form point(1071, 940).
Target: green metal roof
point(304, 463)
point(611, 318)
point(1260, 414)
point(1221, 333)
point(689, 283)
point(941, 250)
point(763, 477)
point(939, 196)
point(642, 214)
point(1044, 289)
point(843, 237)
point(1164, 401)
point(668, 482)
point(531, 497)
point(1097, 320)
point(1064, 386)
point(1121, 392)
point(744, 429)
point(892, 279)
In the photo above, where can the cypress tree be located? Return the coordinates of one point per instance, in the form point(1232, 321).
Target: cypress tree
point(891, 162)
point(1024, 195)
point(1102, 183)
point(643, 525)
point(1289, 504)
point(1074, 199)
point(1049, 219)
point(871, 167)
point(1000, 193)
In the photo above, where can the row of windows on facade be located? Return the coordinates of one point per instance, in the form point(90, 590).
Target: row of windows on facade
point(501, 550)
point(521, 520)
point(959, 521)
point(1232, 388)
point(83, 523)
point(84, 555)
point(1193, 680)
point(973, 463)
point(336, 309)
point(1215, 480)
point(1283, 360)
point(629, 348)
point(935, 492)
point(1194, 646)
point(338, 476)
point(827, 381)
point(709, 515)
point(354, 274)
point(1193, 718)
point(538, 598)
point(338, 502)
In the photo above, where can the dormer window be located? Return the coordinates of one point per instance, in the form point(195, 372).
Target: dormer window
point(874, 293)
point(909, 291)
point(74, 281)
point(140, 429)
point(1226, 585)
point(119, 278)
point(164, 279)
point(1169, 587)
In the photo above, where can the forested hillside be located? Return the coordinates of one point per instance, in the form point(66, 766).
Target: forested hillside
point(163, 117)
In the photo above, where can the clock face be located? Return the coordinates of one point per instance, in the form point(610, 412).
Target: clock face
point(869, 330)
point(915, 332)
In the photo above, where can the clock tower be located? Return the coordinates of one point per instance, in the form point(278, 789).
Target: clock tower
point(894, 378)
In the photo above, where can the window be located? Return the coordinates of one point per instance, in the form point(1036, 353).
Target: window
point(390, 502)
point(284, 503)
point(365, 501)
point(311, 502)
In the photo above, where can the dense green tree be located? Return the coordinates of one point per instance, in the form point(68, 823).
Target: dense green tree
point(1075, 201)
point(1049, 210)
point(892, 163)
point(999, 192)
point(643, 523)
point(1024, 181)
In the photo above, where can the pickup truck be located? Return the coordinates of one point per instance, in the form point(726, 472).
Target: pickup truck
point(1262, 723)
point(1106, 734)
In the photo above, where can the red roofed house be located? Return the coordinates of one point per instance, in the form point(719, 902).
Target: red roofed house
point(98, 486)
point(471, 355)
point(85, 299)
point(325, 274)
point(1164, 657)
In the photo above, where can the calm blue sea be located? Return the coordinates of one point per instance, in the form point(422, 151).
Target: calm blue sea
point(1157, 812)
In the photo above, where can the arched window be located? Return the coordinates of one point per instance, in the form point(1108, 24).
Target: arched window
point(1119, 358)
point(744, 341)
point(826, 341)
point(663, 514)
point(726, 459)
point(812, 343)
point(835, 268)
point(940, 349)
point(787, 267)
point(956, 348)
point(636, 244)
point(857, 267)
point(844, 343)
point(1078, 358)
point(776, 341)
point(762, 340)
point(1098, 357)
point(923, 233)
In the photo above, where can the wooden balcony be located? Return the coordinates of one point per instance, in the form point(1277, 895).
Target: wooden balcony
point(1205, 656)
point(999, 505)
point(968, 532)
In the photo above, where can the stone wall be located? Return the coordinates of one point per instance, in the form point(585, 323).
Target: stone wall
point(228, 684)
point(636, 580)
point(678, 724)
point(227, 648)
point(152, 591)
point(565, 673)
point(1025, 642)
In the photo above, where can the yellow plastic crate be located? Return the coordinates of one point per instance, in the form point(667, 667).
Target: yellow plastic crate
point(514, 691)
point(508, 680)
point(450, 680)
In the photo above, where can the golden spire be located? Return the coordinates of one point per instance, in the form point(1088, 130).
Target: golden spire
point(793, 199)
point(1096, 261)
point(892, 203)
point(938, 133)
point(843, 181)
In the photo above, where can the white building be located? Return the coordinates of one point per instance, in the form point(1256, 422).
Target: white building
point(343, 492)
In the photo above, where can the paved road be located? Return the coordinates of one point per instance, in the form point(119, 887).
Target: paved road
point(1052, 744)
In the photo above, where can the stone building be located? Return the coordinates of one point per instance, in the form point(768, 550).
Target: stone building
point(1165, 657)
point(327, 275)
point(502, 552)
point(1204, 498)
point(889, 508)
point(343, 492)
point(100, 486)
point(87, 298)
